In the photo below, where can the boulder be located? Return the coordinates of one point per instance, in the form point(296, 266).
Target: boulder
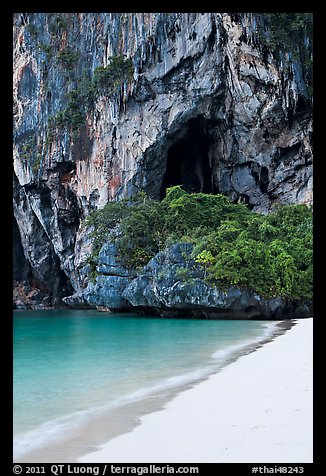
point(111, 282)
point(172, 284)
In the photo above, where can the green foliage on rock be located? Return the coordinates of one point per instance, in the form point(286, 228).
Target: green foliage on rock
point(292, 33)
point(37, 163)
point(47, 49)
point(57, 23)
point(134, 224)
point(118, 71)
point(106, 80)
point(289, 30)
point(271, 254)
point(32, 30)
point(27, 150)
point(68, 57)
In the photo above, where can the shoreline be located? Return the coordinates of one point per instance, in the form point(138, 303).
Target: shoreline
point(105, 425)
point(257, 409)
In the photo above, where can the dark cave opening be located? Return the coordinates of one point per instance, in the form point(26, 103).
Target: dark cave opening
point(188, 160)
point(264, 181)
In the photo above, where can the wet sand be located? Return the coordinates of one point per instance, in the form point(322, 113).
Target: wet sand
point(257, 409)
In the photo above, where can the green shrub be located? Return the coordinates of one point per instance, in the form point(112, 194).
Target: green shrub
point(57, 23)
point(106, 80)
point(72, 117)
point(32, 30)
point(110, 77)
point(37, 163)
point(291, 33)
point(270, 254)
point(27, 149)
point(68, 58)
point(182, 273)
point(47, 49)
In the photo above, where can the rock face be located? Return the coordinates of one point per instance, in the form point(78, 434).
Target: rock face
point(107, 291)
point(208, 107)
point(173, 285)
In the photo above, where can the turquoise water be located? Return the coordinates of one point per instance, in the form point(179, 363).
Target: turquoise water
point(70, 365)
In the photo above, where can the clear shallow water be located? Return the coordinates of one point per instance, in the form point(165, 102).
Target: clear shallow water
point(69, 366)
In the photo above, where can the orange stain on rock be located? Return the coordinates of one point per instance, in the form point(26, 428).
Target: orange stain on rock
point(99, 161)
point(113, 184)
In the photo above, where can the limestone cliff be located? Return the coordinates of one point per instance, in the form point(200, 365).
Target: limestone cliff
point(197, 99)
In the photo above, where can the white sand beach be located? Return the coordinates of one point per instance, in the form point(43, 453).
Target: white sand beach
point(258, 409)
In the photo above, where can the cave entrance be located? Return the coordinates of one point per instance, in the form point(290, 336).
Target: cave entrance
point(189, 159)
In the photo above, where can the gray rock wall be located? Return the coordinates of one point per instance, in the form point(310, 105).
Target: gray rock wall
point(173, 285)
point(207, 107)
